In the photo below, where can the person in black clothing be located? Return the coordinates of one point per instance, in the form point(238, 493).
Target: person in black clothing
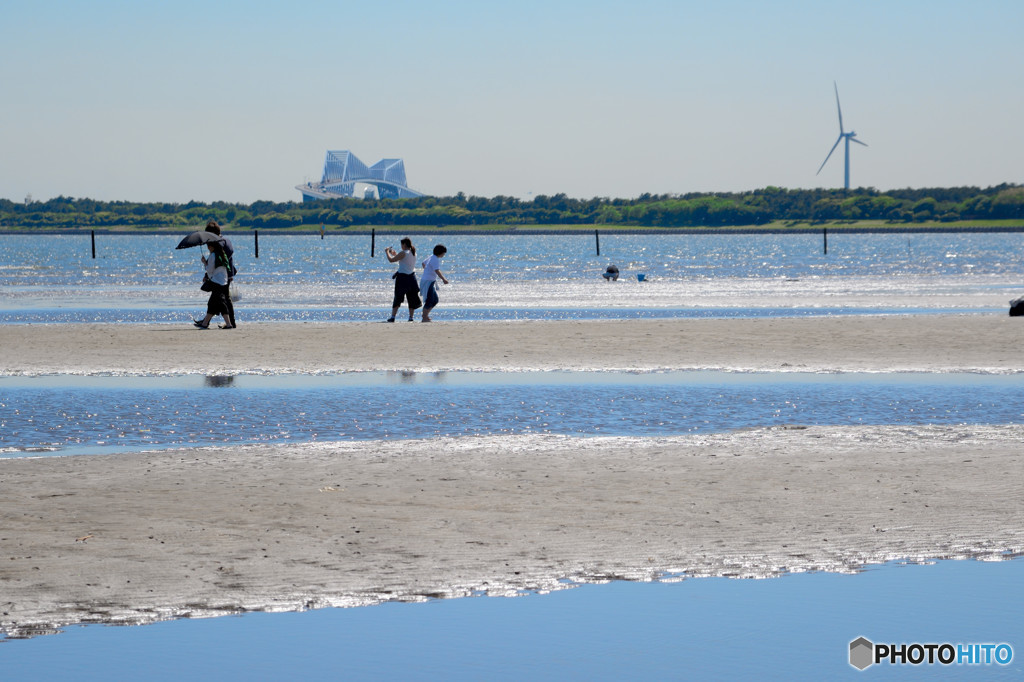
point(216, 282)
point(229, 251)
point(406, 287)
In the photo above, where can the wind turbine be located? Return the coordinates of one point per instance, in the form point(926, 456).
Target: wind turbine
point(850, 136)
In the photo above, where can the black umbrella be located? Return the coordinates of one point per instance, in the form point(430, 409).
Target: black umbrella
point(198, 238)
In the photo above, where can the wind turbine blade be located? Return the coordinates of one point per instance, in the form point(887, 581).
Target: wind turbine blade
point(838, 140)
point(838, 108)
point(854, 139)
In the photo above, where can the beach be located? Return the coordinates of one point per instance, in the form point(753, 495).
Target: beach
point(139, 537)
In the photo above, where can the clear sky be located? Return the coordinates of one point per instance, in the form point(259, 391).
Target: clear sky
point(238, 100)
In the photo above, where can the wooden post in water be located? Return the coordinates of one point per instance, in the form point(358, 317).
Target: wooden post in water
point(256, 236)
point(824, 232)
point(373, 241)
point(597, 241)
point(92, 238)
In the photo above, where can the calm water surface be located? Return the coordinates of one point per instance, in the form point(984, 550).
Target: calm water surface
point(792, 627)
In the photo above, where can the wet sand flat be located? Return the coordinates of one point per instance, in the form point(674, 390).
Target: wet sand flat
point(135, 538)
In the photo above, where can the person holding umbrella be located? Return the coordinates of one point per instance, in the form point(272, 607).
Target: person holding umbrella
point(216, 282)
point(214, 228)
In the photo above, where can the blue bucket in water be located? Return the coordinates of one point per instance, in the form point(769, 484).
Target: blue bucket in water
point(640, 276)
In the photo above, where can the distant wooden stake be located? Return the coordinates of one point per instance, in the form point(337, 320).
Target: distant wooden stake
point(92, 238)
point(256, 235)
point(824, 232)
point(373, 241)
point(597, 240)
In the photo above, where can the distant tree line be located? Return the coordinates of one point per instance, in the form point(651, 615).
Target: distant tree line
point(758, 207)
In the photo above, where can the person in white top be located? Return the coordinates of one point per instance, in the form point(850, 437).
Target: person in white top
point(229, 250)
point(405, 279)
point(216, 282)
point(431, 273)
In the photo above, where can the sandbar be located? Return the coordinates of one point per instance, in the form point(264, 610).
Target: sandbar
point(942, 343)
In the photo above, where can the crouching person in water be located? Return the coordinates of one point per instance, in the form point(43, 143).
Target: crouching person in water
point(216, 282)
point(431, 273)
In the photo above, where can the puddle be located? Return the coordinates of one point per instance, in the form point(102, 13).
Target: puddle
point(102, 414)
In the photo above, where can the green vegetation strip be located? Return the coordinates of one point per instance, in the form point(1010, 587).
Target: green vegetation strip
point(772, 209)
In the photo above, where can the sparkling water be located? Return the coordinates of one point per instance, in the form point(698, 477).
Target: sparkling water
point(143, 278)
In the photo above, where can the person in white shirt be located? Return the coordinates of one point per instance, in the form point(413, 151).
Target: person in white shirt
point(431, 273)
point(406, 286)
point(216, 282)
point(229, 250)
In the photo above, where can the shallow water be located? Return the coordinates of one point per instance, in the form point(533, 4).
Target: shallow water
point(92, 415)
point(791, 627)
point(143, 279)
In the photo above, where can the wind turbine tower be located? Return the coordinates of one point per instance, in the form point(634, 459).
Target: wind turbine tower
point(848, 137)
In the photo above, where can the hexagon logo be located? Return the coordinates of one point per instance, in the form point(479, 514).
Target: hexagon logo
point(861, 653)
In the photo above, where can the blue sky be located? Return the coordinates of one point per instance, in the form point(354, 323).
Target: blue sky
point(238, 101)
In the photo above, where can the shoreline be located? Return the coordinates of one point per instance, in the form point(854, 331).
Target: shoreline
point(480, 230)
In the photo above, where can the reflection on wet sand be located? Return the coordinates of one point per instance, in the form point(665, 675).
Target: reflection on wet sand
point(410, 377)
